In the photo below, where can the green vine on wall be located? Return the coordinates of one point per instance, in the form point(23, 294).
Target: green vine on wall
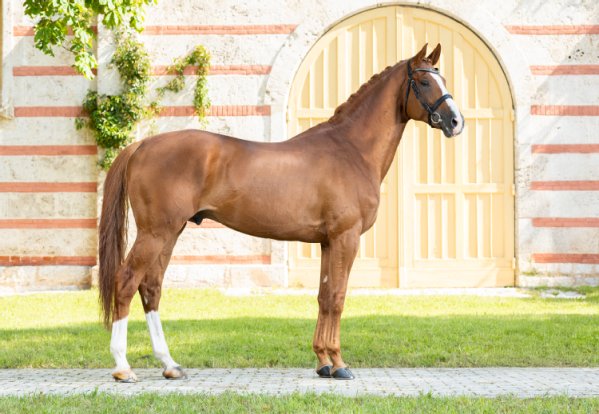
point(200, 59)
point(56, 19)
point(113, 118)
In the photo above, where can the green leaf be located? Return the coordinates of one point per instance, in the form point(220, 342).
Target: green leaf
point(113, 118)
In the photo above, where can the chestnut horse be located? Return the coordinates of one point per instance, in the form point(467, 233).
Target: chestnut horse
point(322, 186)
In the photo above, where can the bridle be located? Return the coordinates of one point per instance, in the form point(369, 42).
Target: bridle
point(433, 116)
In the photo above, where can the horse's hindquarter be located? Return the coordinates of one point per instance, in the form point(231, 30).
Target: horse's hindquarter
point(165, 176)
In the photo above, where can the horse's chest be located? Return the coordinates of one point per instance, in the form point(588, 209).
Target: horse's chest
point(369, 206)
point(358, 205)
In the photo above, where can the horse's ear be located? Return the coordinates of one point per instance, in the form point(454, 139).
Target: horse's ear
point(419, 56)
point(435, 54)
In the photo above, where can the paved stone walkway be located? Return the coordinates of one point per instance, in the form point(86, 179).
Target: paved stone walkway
point(485, 382)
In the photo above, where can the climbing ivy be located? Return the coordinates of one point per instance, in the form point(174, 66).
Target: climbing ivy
point(56, 19)
point(200, 59)
point(113, 118)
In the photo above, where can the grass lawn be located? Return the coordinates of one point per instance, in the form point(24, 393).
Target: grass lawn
point(207, 329)
point(310, 403)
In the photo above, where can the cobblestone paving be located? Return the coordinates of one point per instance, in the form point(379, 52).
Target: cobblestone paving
point(486, 382)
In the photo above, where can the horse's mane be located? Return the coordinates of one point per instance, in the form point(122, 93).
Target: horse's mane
point(357, 96)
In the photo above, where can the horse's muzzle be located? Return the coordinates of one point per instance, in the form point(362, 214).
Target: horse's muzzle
point(452, 126)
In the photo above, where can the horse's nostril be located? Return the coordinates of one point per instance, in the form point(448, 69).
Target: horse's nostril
point(455, 122)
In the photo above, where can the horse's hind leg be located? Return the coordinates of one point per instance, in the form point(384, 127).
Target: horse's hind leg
point(150, 291)
point(143, 254)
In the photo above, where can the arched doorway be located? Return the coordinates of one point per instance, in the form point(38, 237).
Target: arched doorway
point(447, 206)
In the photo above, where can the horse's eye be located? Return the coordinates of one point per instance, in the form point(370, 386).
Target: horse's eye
point(424, 82)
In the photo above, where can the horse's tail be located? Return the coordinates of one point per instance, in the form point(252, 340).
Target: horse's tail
point(113, 230)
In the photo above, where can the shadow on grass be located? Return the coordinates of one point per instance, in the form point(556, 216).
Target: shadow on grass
point(367, 341)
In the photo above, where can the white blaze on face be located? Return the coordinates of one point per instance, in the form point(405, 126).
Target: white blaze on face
point(450, 102)
point(158, 341)
point(118, 344)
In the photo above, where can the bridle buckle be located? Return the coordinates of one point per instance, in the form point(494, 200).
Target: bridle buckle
point(435, 118)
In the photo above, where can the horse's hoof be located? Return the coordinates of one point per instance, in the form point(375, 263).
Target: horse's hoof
point(324, 371)
point(174, 373)
point(343, 374)
point(126, 376)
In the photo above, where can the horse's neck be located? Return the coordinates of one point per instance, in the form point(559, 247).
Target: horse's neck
point(374, 127)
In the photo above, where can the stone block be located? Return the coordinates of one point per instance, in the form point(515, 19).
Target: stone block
point(20, 279)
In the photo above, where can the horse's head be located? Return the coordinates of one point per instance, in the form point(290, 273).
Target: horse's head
point(427, 99)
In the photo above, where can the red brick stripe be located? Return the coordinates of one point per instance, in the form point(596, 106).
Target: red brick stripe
point(156, 70)
point(48, 223)
point(219, 29)
point(584, 258)
point(215, 110)
point(91, 260)
point(22, 31)
point(47, 260)
point(565, 148)
point(565, 110)
point(75, 111)
point(48, 111)
point(48, 187)
point(28, 30)
point(260, 29)
point(46, 71)
point(565, 222)
point(240, 70)
point(221, 259)
point(206, 224)
point(220, 70)
point(553, 29)
point(565, 70)
point(565, 185)
point(48, 150)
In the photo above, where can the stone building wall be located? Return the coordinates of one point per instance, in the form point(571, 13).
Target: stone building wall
point(549, 51)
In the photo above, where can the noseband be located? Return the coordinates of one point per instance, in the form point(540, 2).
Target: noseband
point(433, 116)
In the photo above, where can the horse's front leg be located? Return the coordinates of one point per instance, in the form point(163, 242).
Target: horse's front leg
point(337, 259)
point(319, 345)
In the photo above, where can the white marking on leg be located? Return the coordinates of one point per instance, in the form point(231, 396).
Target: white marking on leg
point(158, 341)
point(118, 344)
point(326, 279)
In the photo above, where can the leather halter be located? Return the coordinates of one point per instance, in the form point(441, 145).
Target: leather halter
point(433, 116)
